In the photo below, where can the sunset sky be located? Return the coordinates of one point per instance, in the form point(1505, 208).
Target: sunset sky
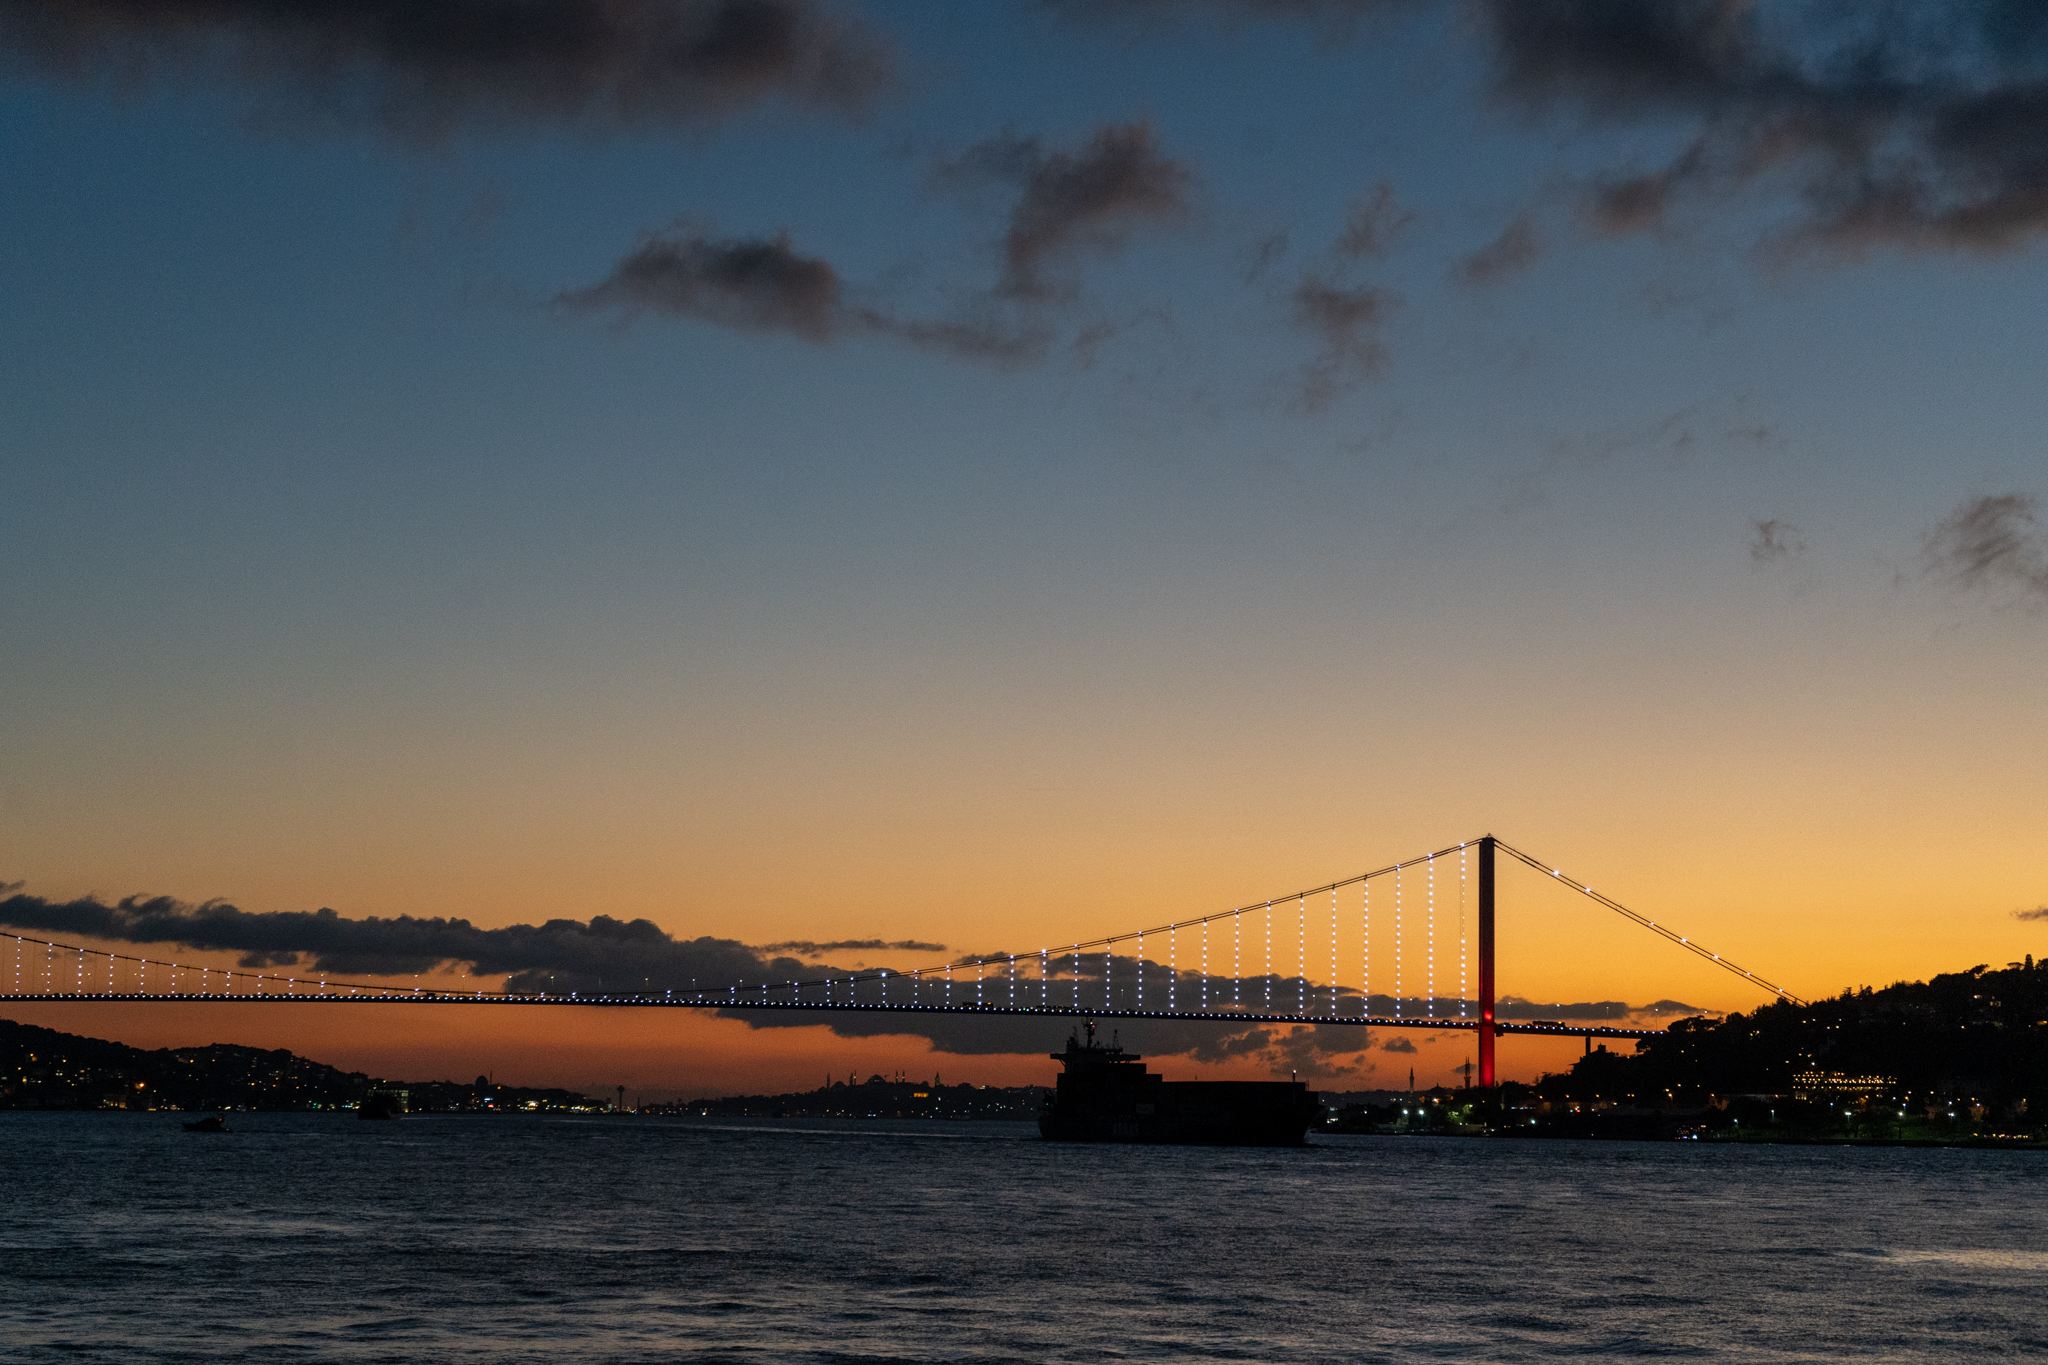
point(997, 474)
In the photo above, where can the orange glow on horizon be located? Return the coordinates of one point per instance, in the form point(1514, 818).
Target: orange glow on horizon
point(1554, 945)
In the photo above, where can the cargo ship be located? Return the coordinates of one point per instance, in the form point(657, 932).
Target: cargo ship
point(1106, 1095)
point(382, 1104)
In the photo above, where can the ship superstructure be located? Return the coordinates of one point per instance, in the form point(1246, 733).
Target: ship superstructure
point(1106, 1095)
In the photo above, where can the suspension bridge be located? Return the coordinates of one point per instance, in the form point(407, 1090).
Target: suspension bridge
point(1308, 957)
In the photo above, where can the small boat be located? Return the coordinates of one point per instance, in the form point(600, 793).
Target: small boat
point(216, 1124)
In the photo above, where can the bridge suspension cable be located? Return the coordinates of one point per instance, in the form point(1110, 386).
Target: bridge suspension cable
point(1662, 931)
point(1128, 986)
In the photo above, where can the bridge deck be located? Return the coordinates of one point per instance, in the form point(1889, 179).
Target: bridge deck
point(1559, 1029)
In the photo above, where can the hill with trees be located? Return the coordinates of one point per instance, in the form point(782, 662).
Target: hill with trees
point(42, 1068)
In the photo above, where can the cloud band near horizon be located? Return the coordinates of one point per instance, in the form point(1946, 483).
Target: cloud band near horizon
point(566, 955)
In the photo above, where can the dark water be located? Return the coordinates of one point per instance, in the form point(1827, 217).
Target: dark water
point(313, 1237)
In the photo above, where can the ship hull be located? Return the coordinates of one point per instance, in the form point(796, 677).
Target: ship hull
point(1258, 1130)
point(1107, 1096)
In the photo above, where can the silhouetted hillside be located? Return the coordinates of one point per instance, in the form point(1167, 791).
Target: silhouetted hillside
point(1977, 1034)
point(43, 1069)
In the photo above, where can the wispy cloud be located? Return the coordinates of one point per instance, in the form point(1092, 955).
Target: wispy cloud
point(1773, 540)
point(1347, 322)
point(758, 284)
point(1087, 198)
point(764, 284)
point(1991, 545)
point(1721, 425)
point(1067, 202)
point(1346, 316)
point(1509, 254)
point(1373, 224)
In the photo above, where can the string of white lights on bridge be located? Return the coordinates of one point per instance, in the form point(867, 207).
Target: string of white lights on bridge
point(1009, 990)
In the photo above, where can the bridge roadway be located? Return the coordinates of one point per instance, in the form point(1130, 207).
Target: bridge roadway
point(1550, 1028)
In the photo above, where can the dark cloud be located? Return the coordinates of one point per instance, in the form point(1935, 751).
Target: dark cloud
point(425, 69)
point(1068, 983)
point(1991, 544)
point(2039, 912)
point(1346, 321)
point(763, 284)
point(624, 956)
point(1070, 201)
point(1167, 987)
point(1312, 1051)
point(1319, 1052)
point(561, 954)
point(757, 284)
point(1397, 1044)
point(1511, 253)
point(1658, 1008)
point(1514, 1008)
point(1773, 540)
point(1226, 1047)
point(1909, 126)
point(1919, 127)
point(1373, 225)
point(806, 948)
point(1337, 11)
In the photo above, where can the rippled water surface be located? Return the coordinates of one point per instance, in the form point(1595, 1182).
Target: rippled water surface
point(316, 1237)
